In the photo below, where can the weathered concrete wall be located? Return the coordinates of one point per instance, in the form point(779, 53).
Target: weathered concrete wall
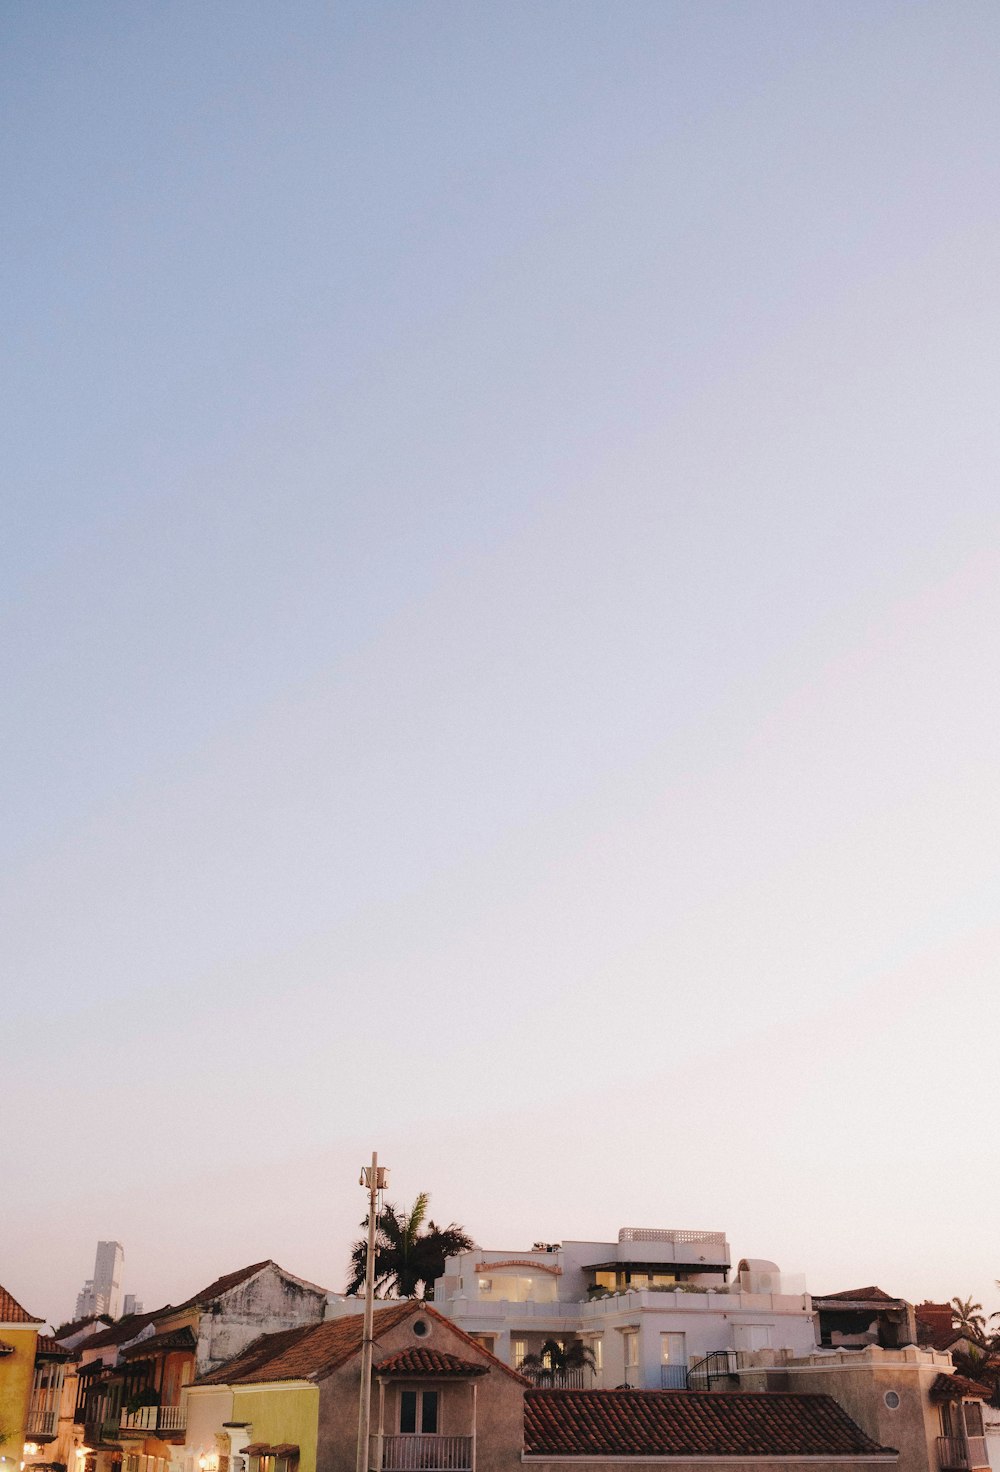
point(266, 1303)
point(859, 1380)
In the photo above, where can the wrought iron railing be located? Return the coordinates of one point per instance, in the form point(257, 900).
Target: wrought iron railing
point(720, 1367)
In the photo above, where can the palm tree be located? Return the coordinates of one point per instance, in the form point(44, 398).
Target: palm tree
point(406, 1258)
point(554, 1360)
point(968, 1317)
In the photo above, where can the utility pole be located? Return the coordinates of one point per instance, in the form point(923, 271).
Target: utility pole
point(375, 1177)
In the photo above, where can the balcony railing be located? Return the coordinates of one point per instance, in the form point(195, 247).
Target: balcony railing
point(427, 1454)
point(42, 1424)
point(673, 1377)
point(721, 1367)
point(151, 1419)
point(542, 1379)
point(671, 1234)
point(962, 1453)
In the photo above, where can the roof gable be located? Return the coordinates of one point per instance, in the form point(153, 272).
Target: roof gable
point(221, 1286)
point(316, 1350)
point(225, 1284)
point(11, 1311)
point(123, 1331)
point(859, 1295)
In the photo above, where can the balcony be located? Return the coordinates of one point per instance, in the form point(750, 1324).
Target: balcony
point(42, 1425)
point(545, 1379)
point(426, 1454)
point(962, 1453)
point(154, 1420)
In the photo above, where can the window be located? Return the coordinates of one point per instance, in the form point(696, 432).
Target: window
point(673, 1349)
point(597, 1345)
point(418, 1411)
point(973, 1418)
point(630, 1341)
point(518, 1350)
point(486, 1341)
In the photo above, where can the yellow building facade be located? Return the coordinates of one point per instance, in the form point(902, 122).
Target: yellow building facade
point(19, 1332)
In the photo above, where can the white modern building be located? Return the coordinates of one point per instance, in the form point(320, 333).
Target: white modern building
point(649, 1306)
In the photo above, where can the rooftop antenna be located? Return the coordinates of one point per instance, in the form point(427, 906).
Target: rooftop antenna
point(374, 1178)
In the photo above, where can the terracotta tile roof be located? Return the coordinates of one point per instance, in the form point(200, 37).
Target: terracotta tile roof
point(122, 1331)
point(225, 1283)
point(11, 1311)
point(308, 1352)
point(228, 1281)
point(315, 1350)
point(48, 1348)
point(689, 1423)
point(935, 1325)
point(75, 1325)
point(934, 1337)
point(859, 1295)
point(161, 1344)
point(6, 1348)
point(417, 1359)
point(265, 1449)
point(957, 1387)
point(490, 1358)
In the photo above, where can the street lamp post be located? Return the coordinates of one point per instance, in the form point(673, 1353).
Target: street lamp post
point(375, 1177)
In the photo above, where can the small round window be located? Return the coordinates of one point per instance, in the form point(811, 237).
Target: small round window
point(421, 1327)
point(891, 1399)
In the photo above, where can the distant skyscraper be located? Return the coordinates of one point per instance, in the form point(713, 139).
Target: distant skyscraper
point(131, 1305)
point(101, 1294)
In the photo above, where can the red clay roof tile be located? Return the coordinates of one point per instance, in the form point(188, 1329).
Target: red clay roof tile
point(861, 1295)
point(11, 1311)
point(957, 1387)
point(308, 1352)
point(315, 1350)
point(642, 1423)
point(418, 1359)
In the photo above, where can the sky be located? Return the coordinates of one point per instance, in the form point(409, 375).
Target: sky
point(500, 590)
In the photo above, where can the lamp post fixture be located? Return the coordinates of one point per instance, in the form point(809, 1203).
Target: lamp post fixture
point(375, 1178)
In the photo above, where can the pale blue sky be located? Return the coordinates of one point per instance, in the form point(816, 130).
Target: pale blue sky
point(500, 595)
